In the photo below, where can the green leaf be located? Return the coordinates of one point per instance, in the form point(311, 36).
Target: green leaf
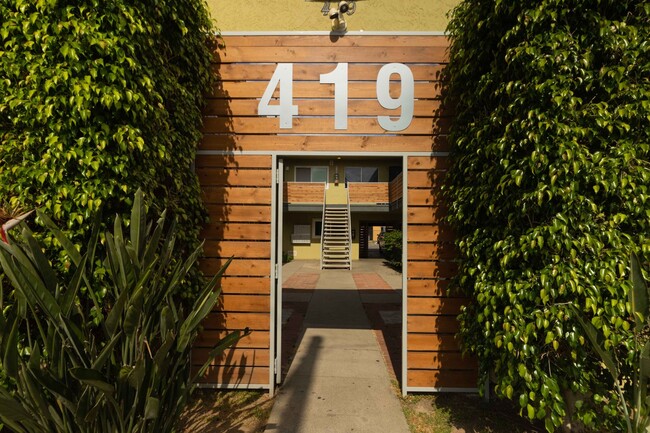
point(94, 378)
point(151, 409)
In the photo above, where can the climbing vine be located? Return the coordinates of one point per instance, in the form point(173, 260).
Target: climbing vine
point(98, 99)
point(549, 192)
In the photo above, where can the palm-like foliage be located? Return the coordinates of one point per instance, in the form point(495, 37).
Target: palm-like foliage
point(129, 374)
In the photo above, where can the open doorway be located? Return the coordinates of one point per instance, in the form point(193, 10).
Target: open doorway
point(329, 304)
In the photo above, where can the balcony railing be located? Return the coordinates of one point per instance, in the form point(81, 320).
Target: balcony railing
point(359, 192)
point(304, 192)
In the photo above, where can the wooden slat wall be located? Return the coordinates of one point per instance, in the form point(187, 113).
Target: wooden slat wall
point(237, 192)
point(304, 192)
point(371, 192)
point(433, 356)
point(238, 189)
point(247, 63)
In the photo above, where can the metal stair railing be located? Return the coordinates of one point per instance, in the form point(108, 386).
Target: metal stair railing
point(322, 227)
point(349, 230)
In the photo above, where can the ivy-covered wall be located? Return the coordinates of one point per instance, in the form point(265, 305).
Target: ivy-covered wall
point(549, 191)
point(98, 99)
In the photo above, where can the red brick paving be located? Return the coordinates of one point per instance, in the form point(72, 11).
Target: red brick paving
point(370, 280)
point(301, 281)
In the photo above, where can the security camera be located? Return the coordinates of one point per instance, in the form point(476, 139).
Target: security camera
point(334, 13)
point(344, 7)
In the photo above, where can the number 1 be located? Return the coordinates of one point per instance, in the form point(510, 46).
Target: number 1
point(339, 77)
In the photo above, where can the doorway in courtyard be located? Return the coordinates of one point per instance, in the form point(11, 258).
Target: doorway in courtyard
point(336, 288)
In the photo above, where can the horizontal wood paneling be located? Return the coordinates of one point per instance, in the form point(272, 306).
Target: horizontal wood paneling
point(237, 193)
point(433, 353)
point(238, 267)
point(252, 320)
point(221, 176)
point(431, 250)
point(419, 342)
point(247, 63)
point(443, 378)
point(425, 108)
point(239, 213)
point(375, 192)
point(436, 323)
point(236, 231)
point(427, 269)
point(303, 192)
point(237, 375)
point(348, 41)
point(431, 305)
point(231, 303)
point(389, 54)
point(331, 143)
point(237, 162)
point(431, 233)
point(440, 360)
point(237, 188)
point(255, 340)
point(309, 125)
point(428, 288)
point(428, 163)
point(309, 89)
point(246, 285)
point(425, 214)
point(238, 249)
point(257, 357)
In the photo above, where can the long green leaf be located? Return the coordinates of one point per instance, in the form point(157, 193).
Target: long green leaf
point(67, 245)
point(106, 352)
point(70, 295)
point(114, 316)
point(592, 334)
point(94, 378)
point(638, 294)
point(218, 349)
point(15, 416)
point(152, 408)
point(10, 356)
point(138, 225)
point(41, 262)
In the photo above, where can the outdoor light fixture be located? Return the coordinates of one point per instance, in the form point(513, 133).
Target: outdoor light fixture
point(335, 13)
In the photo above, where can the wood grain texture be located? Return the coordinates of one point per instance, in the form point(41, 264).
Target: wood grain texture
point(442, 306)
point(440, 361)
point(313, 71)
point(331, 143)
point(297, 54)
point(442, 378)
point(347, 41)
point(223, 105)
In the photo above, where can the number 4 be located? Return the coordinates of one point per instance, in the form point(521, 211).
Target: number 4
point(283, 77)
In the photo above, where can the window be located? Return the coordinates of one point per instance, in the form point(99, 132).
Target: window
point(361, 174)
point(316, 228)
point(311, 174)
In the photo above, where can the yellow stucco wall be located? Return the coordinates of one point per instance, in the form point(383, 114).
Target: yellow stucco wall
point(301, 15)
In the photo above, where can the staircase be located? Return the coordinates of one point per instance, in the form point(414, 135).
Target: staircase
point(336, 246)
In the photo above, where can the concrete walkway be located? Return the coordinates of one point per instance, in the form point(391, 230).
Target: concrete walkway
point(338, 381)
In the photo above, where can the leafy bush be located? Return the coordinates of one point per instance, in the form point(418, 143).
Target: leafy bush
point(634, 405)
point(98, 99)
point(549, 191)
point(130, 374)
point(392, 248)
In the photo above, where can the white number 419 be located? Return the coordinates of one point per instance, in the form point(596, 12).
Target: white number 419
point(285, 110)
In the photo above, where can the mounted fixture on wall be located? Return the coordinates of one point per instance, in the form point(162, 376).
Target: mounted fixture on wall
point(336, 13)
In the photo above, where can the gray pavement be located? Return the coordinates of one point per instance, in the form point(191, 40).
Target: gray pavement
point(338, 381)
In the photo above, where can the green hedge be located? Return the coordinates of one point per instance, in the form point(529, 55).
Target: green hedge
point(549, 191)
point(98, 99)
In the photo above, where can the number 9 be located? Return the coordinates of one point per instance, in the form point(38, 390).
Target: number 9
point(405, 100)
